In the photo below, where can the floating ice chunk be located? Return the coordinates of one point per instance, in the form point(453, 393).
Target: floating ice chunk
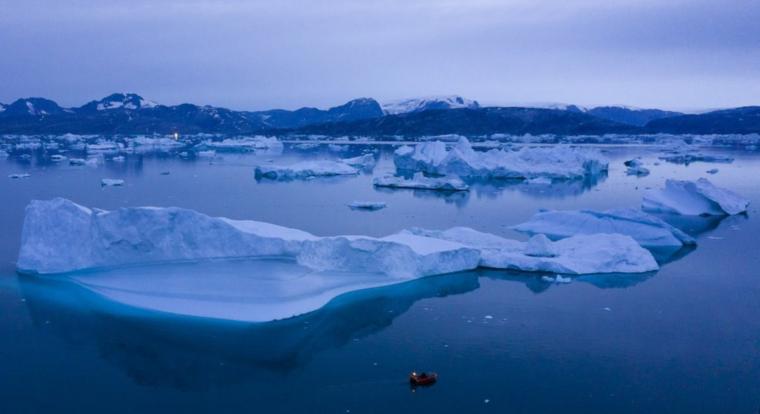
point(90, 162)
point(539, 181)
point(57, 158)
point(118, 158)
point(366, 161)
point(104, 147)
point(19, 175)
point(694, 198)
point(636, 167)
point(337, 147)
point(462, 160)
point(306, 146)
point(421, 182)
point(581, 254)
point(540, 246)
point(305, 169)
point(206, 154)
point(647, 230)
point(112, 182)
point(245, 144)
point(688, 158)
point(367, 205)
point(712, 171)
point(401, 255)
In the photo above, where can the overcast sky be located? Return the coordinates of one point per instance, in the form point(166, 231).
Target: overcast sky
point(280, 53)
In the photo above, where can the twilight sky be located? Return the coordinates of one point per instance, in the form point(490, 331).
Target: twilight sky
point(680, 54)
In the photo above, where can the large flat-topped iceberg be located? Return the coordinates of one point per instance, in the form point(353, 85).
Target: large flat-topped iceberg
point(559, 162)
point(246, 144)
point(60, 236)
point(647, 230)
point(581, 254)
point(305, 169)
point(694, 198)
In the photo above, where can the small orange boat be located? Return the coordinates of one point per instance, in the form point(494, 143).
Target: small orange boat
point(423, 378)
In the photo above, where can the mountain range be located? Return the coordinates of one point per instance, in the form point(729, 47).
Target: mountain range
point(128, 113)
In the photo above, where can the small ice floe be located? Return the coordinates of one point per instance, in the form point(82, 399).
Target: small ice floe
point(306, 146)
point(19, 175)
point(90, 162)
point(367, 205)
point(118, 158)
point(305, 169)
point(419, 181)
point(57, 158)
point(558, 279)
point(636, 167)
point(539, 181)
point(712, 171)
point(558, 162)
point(246, 144)
point(646, 229)
point(111, 182)
point(206, 154)
point(337, 147)
point(365, 162)
point(694, 198)
point(688, 158)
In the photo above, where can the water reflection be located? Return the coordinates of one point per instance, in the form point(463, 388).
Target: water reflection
point(193, 353)
point(539, 283)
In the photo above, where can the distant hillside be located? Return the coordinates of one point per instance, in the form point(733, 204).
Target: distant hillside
point(728, 121)
point(630, 116)
point(476, 122)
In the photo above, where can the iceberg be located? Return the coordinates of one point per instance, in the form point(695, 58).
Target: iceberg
point(694, 198)
point(636, 167)
point(304, 169)
point(688, 158)
point(111, 182)
point(649, 231)
point(367, 205)
point(559, 162)
point(60, 236)
point(420, 182)
point(246, 144)
point(580, 254)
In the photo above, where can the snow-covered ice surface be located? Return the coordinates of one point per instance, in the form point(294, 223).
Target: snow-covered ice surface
point(646, 229)
point(580, 254)
point(304, 169)
point(694, 198)
point(420, 182)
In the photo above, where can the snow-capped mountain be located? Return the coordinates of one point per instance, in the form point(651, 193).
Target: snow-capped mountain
point(32, 107)
point(125, 101)
point(427, 103)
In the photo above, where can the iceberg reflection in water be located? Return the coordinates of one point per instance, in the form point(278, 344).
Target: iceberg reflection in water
point(164, 349)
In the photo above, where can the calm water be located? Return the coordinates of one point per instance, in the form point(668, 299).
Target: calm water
point(684, 339)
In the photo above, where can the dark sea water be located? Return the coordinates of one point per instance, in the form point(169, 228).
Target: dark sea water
point(685, 339)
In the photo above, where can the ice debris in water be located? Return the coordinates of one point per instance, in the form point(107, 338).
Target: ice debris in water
point(246, 144)
point(694, 198)
point(111, 182)
point(420, 182)
point(559, 162)
point(367, 205)
point(712, 171)
point(61, 236)
point(305, 169)
point(648, 230)
point(18, 175)
point(636, 167)
point(688, 158)
point(581, 254)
